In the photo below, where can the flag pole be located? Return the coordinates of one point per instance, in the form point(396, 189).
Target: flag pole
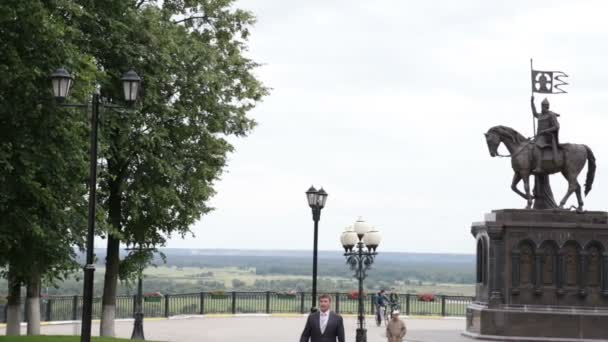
point(532, 88)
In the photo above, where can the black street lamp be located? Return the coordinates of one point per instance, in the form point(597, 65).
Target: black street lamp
point(138, 324)
point(316, 201)
point(366, 239)
point(62, 81)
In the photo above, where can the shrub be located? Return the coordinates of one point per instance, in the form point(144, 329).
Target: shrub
point(218, 294)
point(153, 297)
point(288, 294)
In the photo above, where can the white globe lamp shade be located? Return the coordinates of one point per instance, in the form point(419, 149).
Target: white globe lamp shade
point(349, 239)
point(361, 228)
point(372, 239)
point(343, 235)
point(343, 238)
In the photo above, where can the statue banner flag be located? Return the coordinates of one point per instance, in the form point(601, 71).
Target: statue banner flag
point(548, 82)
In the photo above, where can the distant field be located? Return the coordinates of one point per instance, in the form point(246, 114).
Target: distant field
point(224, 274)
point(171, 279)
point(227, 274)
point(194, 271)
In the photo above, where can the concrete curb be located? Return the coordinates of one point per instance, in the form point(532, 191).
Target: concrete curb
point(45, 323)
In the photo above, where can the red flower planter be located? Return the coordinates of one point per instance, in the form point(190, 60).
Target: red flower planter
point(426, 297)
point(355, 295)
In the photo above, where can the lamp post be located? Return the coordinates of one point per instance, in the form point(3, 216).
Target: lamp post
point(316, 201)
point(138, 324)
point(360, 242)
point(61, 82)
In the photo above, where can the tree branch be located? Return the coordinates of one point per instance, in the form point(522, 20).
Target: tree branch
point(204, 17)
point(141, 2)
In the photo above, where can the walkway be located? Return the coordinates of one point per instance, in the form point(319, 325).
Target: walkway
point(263, 329)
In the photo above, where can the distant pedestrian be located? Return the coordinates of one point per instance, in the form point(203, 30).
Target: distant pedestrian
point(395, 330)
point(323, 325)
point(380, 301)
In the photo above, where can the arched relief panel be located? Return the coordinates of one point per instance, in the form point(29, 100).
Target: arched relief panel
point(482, 266)
point(482, 259)
point(526, 264)
point(523, 266)
point(570, 264)
point(548, 264)
point(594, 264)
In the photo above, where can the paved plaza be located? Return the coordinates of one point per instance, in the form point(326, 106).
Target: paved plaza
point(262, 329)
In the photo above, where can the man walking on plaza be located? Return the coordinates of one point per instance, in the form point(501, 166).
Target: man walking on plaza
point(395, 330)
point(323, 325)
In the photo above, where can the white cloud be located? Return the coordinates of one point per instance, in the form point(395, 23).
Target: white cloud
point(384, 103)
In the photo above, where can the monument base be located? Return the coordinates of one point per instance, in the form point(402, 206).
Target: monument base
point(529, 323)
point(542, 275)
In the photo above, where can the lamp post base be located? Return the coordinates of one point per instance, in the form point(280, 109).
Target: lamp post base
point(138, 327)
point(361, 335)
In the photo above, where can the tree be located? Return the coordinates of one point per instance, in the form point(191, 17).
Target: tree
point(237, 283)
point(160, 161)
point(42, 151)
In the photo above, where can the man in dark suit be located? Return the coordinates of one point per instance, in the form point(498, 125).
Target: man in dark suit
point(323, 325)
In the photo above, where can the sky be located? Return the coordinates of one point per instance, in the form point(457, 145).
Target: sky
point(384, 104)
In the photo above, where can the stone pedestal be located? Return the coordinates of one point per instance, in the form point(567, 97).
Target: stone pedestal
point(542, 275)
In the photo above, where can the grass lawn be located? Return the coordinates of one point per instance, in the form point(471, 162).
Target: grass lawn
point(43, 338)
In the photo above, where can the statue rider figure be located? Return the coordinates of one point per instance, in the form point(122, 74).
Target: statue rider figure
point(547, 134)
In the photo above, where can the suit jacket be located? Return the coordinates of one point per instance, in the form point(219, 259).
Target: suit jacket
point(334, 329)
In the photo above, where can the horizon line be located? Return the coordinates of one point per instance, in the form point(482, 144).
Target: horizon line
point(293, 250)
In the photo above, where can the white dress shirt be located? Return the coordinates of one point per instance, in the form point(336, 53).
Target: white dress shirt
point(323, 318)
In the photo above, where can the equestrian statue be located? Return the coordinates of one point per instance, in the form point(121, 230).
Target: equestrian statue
point(542, 156)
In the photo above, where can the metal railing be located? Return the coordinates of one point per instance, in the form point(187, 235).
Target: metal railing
point(65, 308)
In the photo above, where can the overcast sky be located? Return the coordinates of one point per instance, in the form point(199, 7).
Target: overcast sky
point(384, 104)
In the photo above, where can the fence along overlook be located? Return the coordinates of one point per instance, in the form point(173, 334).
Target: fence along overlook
point(68, 308)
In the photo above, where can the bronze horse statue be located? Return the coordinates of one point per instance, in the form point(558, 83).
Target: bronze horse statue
point(570, 162)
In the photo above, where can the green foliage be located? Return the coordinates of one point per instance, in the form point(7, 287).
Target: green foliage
point(134, 263)
point(198, 87)
point(42, 147)
point(158, 161)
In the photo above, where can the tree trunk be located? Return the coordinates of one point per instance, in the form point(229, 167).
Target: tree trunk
point(108, 312)
point(13, 320)
point(117, 170)
point(32, 303)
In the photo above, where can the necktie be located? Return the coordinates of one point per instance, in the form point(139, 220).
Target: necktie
point(323, 323)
